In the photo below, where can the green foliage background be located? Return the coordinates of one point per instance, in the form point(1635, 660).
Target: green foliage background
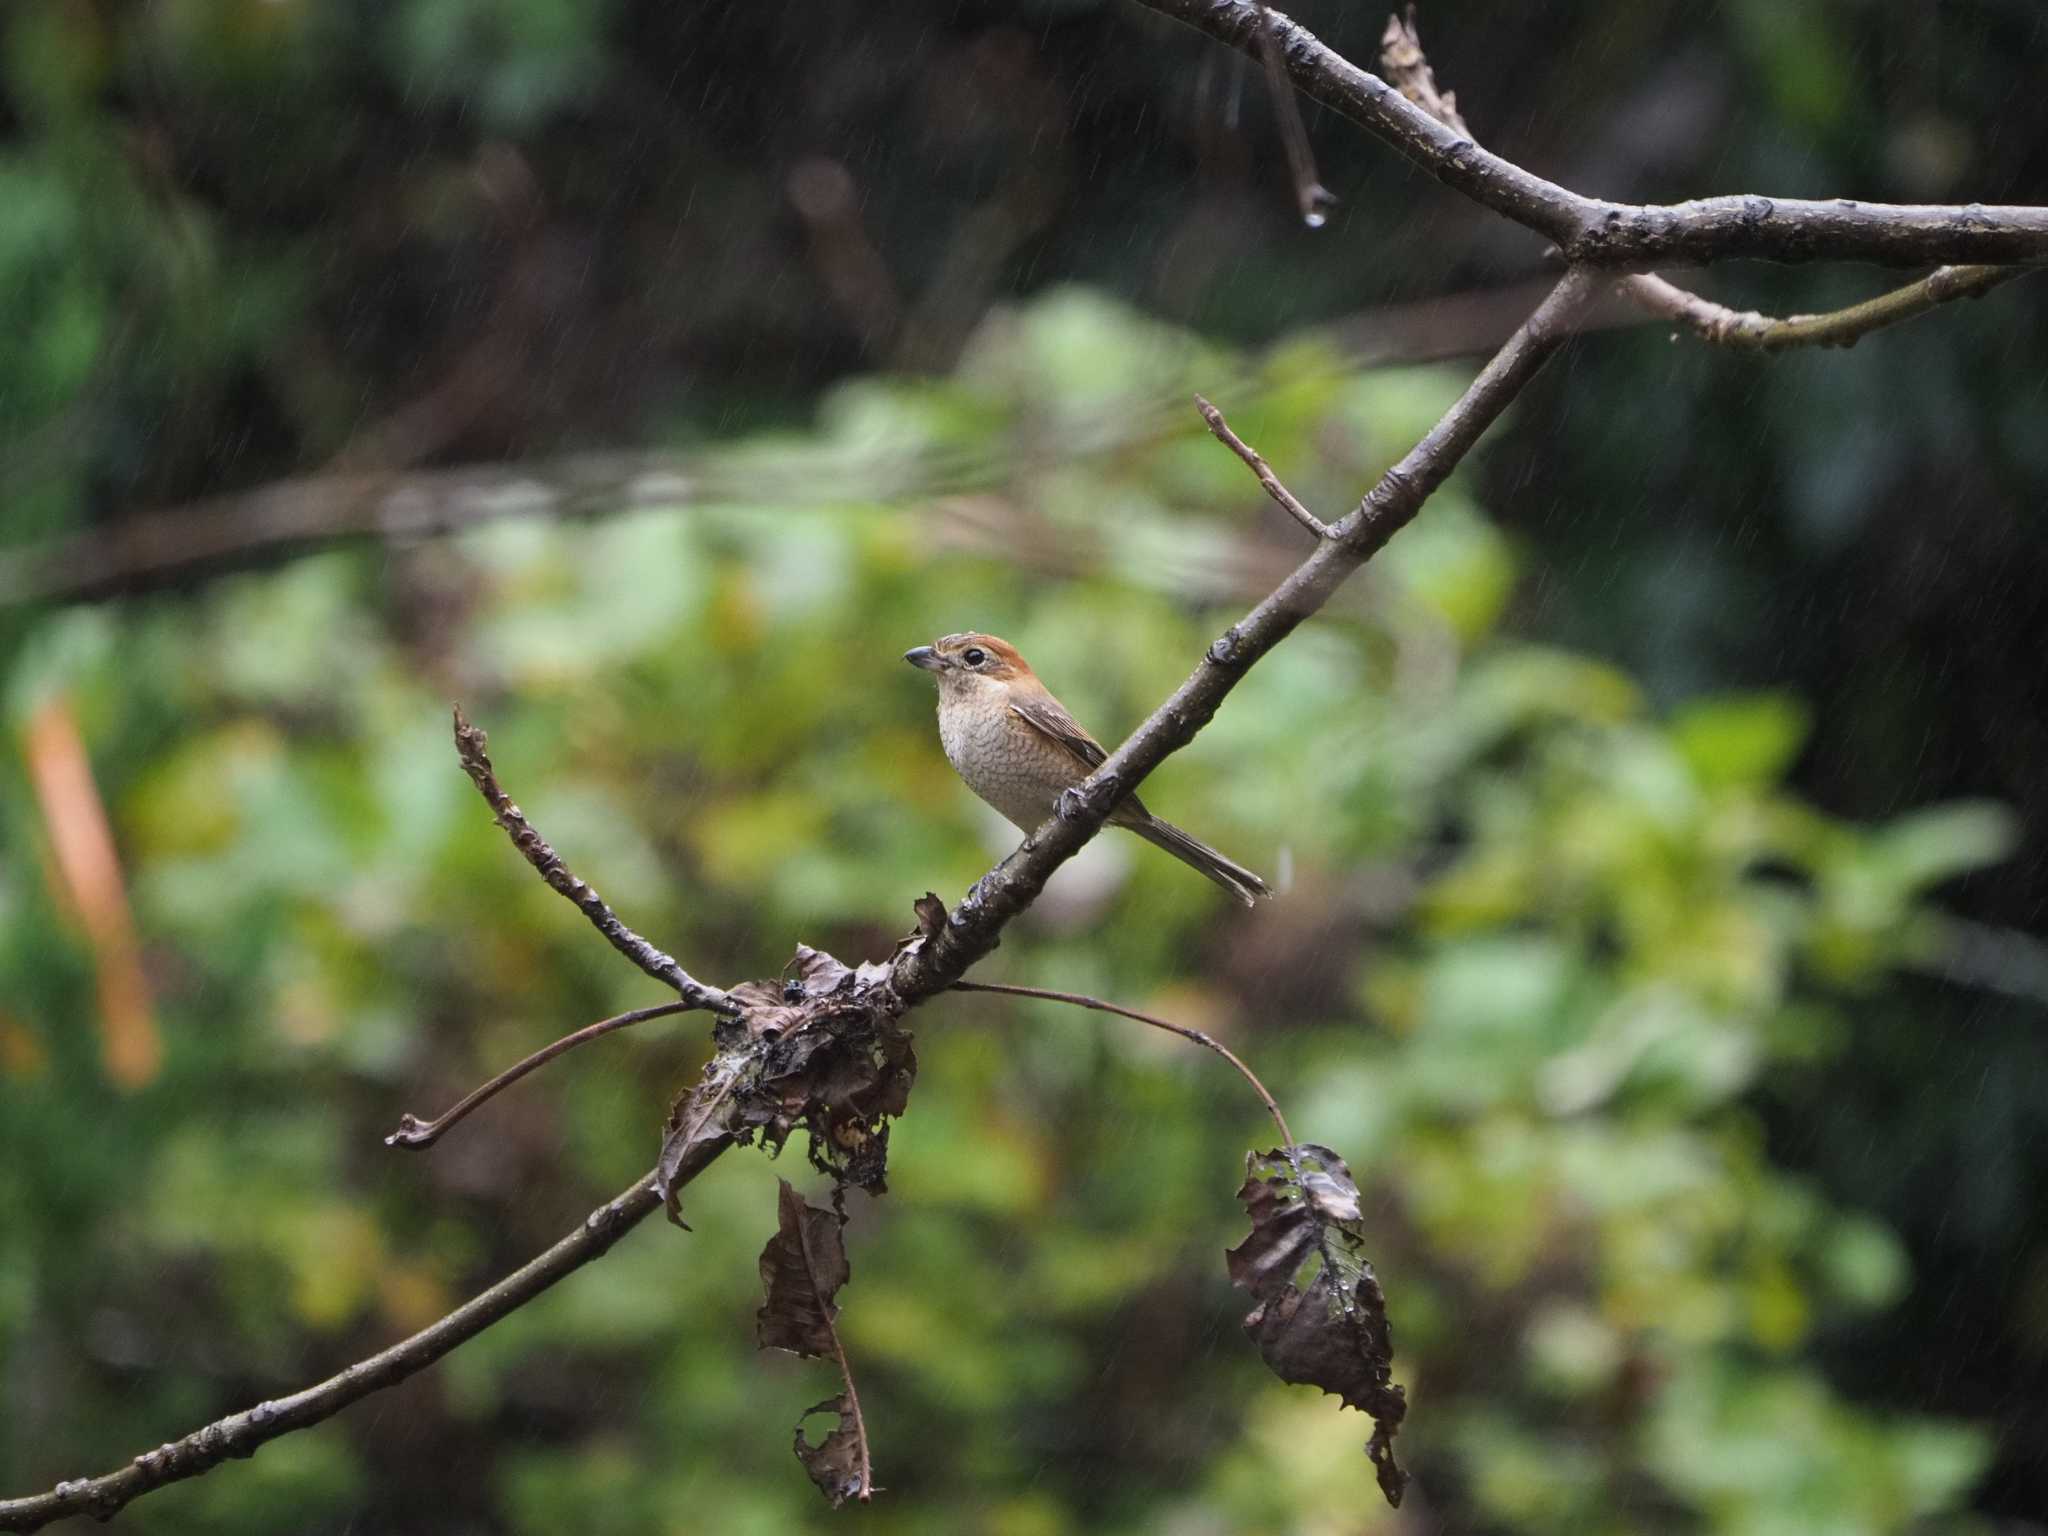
point(1539, 948)
point(1617, 805)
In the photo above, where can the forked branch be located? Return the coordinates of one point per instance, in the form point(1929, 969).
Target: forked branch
point(1593, 231)
point(1401, 56)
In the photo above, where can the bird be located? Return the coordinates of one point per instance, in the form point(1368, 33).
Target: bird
point(1016, 747)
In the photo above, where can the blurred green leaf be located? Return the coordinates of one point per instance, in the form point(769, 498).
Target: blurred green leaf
point(1743, 739)
point(1922, 849)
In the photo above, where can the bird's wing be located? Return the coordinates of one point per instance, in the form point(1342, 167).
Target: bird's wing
point(1045, 716)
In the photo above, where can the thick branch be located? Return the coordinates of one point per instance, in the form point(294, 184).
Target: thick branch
point(470, 745)
point(1593, 231)
point(239, 1434)
point(971, 929)
point(1752, 331)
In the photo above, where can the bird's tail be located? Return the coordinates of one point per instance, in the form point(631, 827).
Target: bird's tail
point(1234, 878)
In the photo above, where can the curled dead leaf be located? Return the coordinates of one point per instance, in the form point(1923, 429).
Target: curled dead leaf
point(931, 916)
point(802, 1268)
point(838, 1464)
point(1321, 1318)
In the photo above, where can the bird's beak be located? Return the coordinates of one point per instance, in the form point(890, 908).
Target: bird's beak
point(924, 656)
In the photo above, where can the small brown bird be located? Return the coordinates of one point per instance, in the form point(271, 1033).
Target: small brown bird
point(1018, 748)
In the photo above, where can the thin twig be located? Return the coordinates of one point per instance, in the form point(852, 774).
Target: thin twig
point(471, 746)
point(1751, 331)
point(1311, 197)
point(971, 928)
point(239, 1434)
point(1593, 231)
point(1258, 466)
point(1210, 1042)
point(414, 1132)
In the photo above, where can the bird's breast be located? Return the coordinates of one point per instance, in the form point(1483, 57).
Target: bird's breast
point(1002, 762)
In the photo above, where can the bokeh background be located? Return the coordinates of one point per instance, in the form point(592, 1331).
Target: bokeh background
point(1663, 817)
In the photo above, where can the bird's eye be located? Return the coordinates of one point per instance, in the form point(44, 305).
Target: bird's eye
point(974, 655)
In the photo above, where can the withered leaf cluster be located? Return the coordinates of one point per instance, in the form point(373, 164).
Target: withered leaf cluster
point(820, 1048)
point(1321, 1319)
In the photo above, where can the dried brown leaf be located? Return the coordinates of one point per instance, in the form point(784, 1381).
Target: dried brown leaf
point(931, 916)
point(802, 1268)
point(1407, 69)
point(838, 1464)
point(1321, 1319)
point(693, 1119)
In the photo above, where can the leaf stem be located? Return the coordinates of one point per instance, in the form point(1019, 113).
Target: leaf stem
point(1209, 1042)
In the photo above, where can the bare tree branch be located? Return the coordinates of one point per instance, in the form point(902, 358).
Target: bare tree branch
point(1258, 466)
point(239, 1434)
point(1207, 1041)
point(1750, 331)
point(971, 929)
point(1587, 230)
point(470, 745)
point(1593, 231)
point(1406, 65)
point(316, 508)
point(414, 1132)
